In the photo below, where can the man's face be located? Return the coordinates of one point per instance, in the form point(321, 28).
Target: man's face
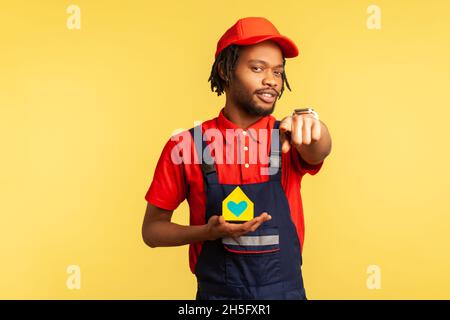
point(257, 79)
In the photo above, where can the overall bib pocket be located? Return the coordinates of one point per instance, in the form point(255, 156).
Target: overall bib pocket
point(253, 259)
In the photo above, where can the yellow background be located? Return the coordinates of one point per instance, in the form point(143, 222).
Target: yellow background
point(85, 114)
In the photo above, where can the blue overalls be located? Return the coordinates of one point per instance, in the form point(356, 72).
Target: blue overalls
point(265, 264)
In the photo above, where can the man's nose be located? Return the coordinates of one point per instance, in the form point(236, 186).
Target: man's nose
point(270, 80)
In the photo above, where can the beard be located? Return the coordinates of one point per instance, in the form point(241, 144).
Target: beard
point(245, 102)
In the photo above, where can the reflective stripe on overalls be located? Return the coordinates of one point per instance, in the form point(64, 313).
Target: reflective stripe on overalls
point(265, 264)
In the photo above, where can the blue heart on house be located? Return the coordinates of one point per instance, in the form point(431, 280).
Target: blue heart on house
point(237, 208)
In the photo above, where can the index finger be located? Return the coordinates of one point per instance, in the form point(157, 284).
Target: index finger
point(286, 124)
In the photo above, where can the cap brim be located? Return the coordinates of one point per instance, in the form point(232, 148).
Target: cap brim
point(287, 46)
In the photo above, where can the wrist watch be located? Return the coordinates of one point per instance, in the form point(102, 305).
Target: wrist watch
point(306, 111)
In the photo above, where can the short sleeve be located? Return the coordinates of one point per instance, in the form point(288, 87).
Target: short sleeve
point(302, 166)
point(168, 187)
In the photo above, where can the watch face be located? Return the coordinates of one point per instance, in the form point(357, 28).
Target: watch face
point(303, 110)
point(306, 111)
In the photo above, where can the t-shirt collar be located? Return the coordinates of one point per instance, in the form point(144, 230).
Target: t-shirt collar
point(265, 122)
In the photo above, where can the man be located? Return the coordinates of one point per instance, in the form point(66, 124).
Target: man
point(246, 219)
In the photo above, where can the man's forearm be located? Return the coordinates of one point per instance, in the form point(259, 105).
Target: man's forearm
point(168, 234)
point(317, 151)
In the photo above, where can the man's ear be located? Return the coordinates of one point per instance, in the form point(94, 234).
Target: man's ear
point(221, 73)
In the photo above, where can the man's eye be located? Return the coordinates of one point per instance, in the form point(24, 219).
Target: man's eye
point(254, 68)
point(278, 73)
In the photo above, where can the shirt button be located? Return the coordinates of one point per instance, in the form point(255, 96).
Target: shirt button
point(246, 148)
point(244, 133)
point(247, 165)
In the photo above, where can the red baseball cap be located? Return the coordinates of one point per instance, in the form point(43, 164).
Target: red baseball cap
point(252, 30)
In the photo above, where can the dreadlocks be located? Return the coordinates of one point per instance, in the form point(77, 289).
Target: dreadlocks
point(227, 58)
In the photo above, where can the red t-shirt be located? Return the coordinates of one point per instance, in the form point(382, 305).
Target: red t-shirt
point(173, 182)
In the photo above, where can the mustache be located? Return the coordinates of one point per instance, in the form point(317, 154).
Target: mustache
point(270, 90)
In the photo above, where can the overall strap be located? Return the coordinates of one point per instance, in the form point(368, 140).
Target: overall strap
point(204, 156)
point(275, 153)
